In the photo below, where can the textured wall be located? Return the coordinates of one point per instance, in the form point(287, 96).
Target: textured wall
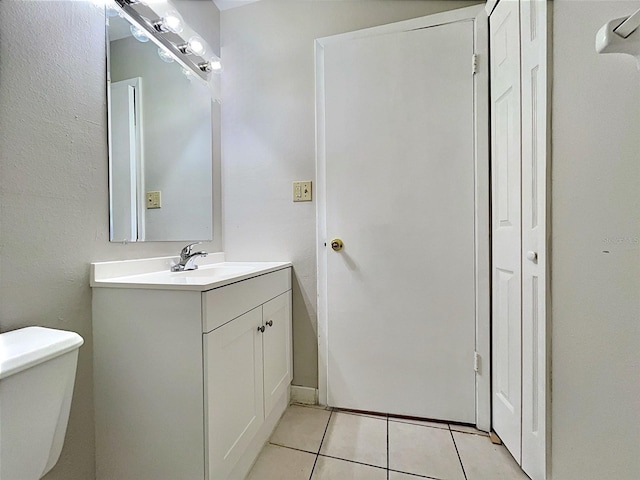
point(268, 130)
point(53, 186)
point(595, 208)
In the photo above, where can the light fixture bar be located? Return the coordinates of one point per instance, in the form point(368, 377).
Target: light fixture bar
point(629, 26)
point(135, 18)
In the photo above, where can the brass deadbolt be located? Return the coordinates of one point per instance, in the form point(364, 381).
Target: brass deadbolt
point(337, 244)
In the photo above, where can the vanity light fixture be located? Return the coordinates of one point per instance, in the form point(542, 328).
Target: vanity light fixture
point(213, 65)
point(164, 56)
point(195, 46)
point(139, 34)
point(171, 22)
point(165, 33)
point(188, 74)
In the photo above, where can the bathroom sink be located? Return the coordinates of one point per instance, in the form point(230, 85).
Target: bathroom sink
point(155, 273)
point(213, 271)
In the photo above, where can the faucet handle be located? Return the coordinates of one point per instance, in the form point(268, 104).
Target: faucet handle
point(186, 251)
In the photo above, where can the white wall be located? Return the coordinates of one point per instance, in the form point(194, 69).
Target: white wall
point(54, 208)
point(595, 208)
point(268, 117)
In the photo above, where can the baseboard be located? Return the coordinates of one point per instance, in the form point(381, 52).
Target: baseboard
point(304, 395)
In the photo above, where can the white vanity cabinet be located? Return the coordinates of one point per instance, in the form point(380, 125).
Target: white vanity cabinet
point(248, 368)
point(189, 383)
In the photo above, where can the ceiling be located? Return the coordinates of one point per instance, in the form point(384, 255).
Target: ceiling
point(227, 4)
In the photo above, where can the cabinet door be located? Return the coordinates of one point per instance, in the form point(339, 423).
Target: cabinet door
point(278, 369)
point(234, 403)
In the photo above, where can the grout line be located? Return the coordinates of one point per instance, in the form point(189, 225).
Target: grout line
point(459, 459)
point(353, 461)
point(291, 448)
point(414, 475)
point(321, 442)
point(387, 446)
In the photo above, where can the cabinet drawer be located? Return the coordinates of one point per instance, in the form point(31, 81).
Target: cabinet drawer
point(226, 303)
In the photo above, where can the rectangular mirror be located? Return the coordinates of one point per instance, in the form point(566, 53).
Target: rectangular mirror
point(160, 144)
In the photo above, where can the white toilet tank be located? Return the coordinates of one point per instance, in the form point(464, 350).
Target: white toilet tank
point(37, 373)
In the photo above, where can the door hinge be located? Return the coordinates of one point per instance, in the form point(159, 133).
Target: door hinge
point(474, 64)
point(476, 362)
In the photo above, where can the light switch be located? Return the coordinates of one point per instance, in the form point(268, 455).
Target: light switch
point(302, 191)
point(154, 200)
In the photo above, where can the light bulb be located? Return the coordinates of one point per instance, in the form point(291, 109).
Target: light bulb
point(171, 21)
point(190, 76)
point(139, 34)
point(165, 56)
point(197, 46)
point(216, 64)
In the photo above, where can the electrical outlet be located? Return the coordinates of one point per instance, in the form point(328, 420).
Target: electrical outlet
point(302, 191)
point(154, 200)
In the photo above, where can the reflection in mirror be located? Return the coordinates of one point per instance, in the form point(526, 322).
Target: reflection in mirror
point(160, 143)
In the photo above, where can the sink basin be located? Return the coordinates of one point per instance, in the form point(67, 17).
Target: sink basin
point(213, 271)
point(155, 273)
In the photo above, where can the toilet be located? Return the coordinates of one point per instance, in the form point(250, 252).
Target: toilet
point(37, 373)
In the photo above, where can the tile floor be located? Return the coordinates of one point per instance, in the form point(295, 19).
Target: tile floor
point(314, 443)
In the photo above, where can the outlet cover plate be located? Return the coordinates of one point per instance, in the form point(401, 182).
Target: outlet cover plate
point(154, 199)
point(302, 191)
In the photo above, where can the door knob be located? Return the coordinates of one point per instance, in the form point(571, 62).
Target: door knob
point(337, 244)
point(533, 256)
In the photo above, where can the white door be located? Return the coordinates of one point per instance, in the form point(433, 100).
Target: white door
point(276, 349)
point(534, 234)
point(234, 403)
point(399, 190)
point(504, 31)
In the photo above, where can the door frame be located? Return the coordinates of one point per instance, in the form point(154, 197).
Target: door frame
point(478, 15)
point(137, 163)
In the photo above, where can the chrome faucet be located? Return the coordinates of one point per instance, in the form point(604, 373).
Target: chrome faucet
point(188, 258)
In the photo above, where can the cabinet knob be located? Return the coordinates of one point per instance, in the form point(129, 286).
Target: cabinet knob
point(261, 328)
point(270, 323)
point(533, 256)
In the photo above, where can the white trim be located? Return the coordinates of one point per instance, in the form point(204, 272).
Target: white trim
point(321, 226)
point(483, 223)
point(304, 395)
point(490, 6)
point(451, 16)
point(481, 84)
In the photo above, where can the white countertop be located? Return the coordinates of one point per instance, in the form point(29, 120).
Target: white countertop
point(155, 273)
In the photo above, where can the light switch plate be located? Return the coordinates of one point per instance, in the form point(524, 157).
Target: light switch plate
point(154, 200)
point(302, 191)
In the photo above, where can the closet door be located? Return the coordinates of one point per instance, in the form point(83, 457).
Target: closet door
point(504, 30)
point(534, 234)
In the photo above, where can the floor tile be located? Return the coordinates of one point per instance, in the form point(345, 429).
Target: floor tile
point(358, 438)
point(424, 423)
point(277, 463)
point(301, 428)
point(423, 451)
point(483, 460)
point(404, 476)
point(467, 429)
point(333, 469)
